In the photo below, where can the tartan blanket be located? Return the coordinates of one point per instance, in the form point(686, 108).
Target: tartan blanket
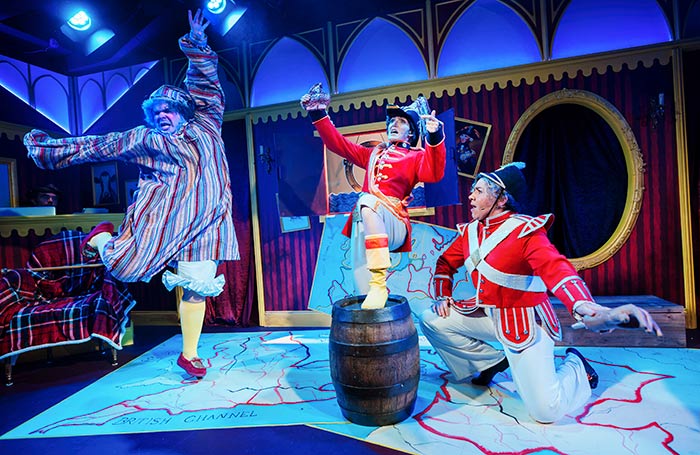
point(50, 308)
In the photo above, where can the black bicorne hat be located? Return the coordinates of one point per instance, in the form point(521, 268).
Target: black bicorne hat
point(510, 178)
point(412, 113)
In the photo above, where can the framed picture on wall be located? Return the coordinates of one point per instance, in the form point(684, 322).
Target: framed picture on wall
point(8, 182)
point(292, 223)
point(104, 184)
point(470, 142)
point(130, 188)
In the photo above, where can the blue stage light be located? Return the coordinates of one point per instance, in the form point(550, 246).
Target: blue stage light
point(216, 6)
point(80, 21)
point(223, 14)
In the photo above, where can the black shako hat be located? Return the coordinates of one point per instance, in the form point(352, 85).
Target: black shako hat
point(412, 113)
point(43, 189)
point(510, 178)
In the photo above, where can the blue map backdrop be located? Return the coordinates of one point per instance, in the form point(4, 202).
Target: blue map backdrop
point(410, 274)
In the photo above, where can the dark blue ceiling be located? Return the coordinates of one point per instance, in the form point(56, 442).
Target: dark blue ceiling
point(145, 30)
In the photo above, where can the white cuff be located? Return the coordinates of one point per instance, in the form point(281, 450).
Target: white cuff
point(578, 316)
point(209, 288)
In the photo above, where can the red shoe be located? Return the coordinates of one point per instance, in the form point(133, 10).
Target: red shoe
point(193, 367)
point(88, 250)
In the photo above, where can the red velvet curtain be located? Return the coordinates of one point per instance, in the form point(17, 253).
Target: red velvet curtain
point(236, 305)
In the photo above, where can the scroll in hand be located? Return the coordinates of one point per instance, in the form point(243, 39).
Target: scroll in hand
point(316, 99)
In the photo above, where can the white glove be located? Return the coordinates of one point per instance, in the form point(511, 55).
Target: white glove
point(600, 319)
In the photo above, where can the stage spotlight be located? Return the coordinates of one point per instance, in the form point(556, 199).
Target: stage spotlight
point(216, 6)
point(80, 21)
point(77, 26)
point(223, 14)
point(78, 29)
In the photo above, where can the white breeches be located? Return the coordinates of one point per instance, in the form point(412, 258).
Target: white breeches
point(548, 392)
point(197, 276)
point(395, 230)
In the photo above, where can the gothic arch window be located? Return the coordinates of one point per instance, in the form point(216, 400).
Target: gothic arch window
point(609, 25)
point(286, 73)
point(488, 35)
point(381, 54)
point(583, 165)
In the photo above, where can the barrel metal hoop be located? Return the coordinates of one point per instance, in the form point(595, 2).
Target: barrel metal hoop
point(379, 420)
point(373, 350)
point(342, 313)
point(388, 391)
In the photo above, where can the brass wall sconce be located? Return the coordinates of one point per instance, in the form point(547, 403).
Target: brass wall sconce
point(656, 109)
point(266, 158)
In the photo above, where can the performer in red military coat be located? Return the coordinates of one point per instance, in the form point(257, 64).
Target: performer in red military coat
point(512, 264)
point(380, 222)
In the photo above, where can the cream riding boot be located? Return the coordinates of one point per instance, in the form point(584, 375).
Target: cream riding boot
point(378, 261)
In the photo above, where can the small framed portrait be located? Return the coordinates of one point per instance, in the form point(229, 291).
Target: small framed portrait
point(470, 142)
point(295, 223)
point(104, 184)
point(8, 182)
point(130, 189)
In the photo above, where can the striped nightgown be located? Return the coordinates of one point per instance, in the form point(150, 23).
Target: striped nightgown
point(182, 210)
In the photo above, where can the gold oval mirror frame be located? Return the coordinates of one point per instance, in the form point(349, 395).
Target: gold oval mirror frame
point(633, 161)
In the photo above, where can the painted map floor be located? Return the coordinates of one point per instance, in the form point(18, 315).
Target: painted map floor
point(646, 403)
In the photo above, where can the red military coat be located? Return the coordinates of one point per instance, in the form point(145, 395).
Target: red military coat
point(391, 171)
point(512, 264)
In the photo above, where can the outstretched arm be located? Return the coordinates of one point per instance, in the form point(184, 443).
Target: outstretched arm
point(561, 277)
point(202, 72)
point(315, 102)
point(137, 145)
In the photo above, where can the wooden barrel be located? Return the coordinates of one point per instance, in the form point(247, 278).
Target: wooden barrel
point(374, 360)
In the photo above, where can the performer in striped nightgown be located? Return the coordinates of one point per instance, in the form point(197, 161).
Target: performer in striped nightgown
point(181, 215)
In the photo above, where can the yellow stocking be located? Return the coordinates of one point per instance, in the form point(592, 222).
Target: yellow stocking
point(378, 261)
point(191, 322)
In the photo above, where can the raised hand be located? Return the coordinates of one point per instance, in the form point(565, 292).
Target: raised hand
point(197, 24)
point(622, 316)
point(432, 124)
point(315, 99)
